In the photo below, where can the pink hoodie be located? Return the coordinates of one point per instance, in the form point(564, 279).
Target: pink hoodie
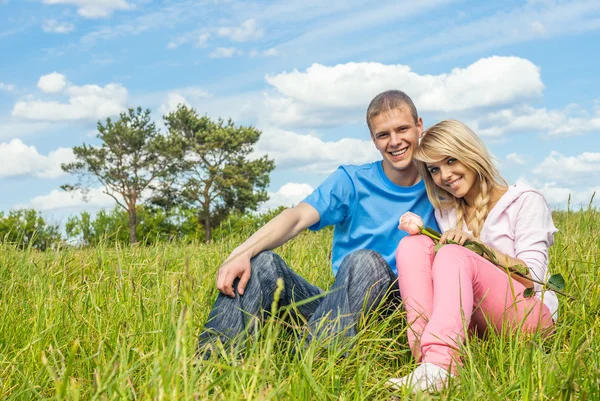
point(519, 225)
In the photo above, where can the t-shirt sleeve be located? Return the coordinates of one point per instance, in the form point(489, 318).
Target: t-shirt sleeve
point(332, 199)
point(534, 233)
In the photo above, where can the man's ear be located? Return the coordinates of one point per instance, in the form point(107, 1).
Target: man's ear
point(420, 127)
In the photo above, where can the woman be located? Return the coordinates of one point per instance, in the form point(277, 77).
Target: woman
point(445, 293)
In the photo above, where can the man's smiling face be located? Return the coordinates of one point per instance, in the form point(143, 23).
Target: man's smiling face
point(396, 135)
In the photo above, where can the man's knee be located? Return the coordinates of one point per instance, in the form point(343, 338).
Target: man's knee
point(266, 266)
point(365, 263)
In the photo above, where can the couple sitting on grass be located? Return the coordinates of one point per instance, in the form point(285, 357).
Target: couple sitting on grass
point(445, 176)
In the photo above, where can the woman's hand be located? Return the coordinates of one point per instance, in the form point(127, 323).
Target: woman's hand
point(458, 236)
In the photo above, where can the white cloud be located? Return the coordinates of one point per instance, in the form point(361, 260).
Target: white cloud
point(309, 153)
point(225, 52)
point(248, 31)
point(515, 158)
point(583, 168)
point(323, 90)
point(569, 121)
point(58, 199)
point(289, 194)
point(185, 96)
point(267, 53)
point(6, 87)
point(94, 8)
point(52, 83)
point(18, 159)
point(53, 26)
point(559, 196)
point(202, 39)
point(90, 102)
point(173, 100)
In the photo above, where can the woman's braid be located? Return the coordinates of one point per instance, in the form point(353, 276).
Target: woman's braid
point(481, 208)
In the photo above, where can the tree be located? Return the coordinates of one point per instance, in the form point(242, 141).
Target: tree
point(133, 155)
point(216, 175)
point(26, 228)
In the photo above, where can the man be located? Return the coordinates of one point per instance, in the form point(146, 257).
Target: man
point(364, 204)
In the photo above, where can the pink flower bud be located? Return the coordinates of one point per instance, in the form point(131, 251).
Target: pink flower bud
point(411, 223)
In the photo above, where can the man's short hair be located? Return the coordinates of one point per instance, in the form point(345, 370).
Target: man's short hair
point(388, 101)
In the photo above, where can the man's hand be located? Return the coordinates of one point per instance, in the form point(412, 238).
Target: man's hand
point(458, 236)
point(238, 267)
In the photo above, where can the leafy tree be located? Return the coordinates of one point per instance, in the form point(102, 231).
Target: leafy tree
point(27, 228)
point(216, 175)
point(132, 156)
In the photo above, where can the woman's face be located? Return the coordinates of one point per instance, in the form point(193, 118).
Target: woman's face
point(454, 177)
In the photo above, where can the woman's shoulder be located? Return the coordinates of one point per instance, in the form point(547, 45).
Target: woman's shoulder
point(521, 195)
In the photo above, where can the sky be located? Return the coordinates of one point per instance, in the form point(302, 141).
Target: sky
point(522, 74)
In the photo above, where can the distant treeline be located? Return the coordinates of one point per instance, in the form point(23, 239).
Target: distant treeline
point(26, 228)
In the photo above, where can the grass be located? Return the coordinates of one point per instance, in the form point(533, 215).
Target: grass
point(122, 323)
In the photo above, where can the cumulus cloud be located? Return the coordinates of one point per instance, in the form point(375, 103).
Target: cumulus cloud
point(94, 8)
point(289, 194)
point(18, 159)
point(61, 200)
point(90, 102)
point(171, 102)
point(570, 121)
point(52, 83)
point(248, 31)
point(225, 52)
point(53, 26)
point(309, 153)
point(321, 90)
point(566, 170)
point(182, 96)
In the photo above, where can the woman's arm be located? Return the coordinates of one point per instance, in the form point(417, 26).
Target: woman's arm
point(507, 261)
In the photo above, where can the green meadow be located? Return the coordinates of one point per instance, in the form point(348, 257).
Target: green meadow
point(121, 323)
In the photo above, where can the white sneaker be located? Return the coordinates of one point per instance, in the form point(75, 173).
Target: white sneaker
point(426, 377)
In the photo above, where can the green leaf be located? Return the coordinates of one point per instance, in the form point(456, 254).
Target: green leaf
point(522, 270)
point(528, 293)
point(438, 247)
point(475, 247)
point(432, 231)
point(556, 282)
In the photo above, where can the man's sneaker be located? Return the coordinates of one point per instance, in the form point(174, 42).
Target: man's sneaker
point(426, 377)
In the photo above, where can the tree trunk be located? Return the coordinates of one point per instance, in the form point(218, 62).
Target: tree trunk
point(207, 230)
point(132, 226)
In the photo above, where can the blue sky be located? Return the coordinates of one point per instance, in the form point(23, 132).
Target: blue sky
point(522, 74)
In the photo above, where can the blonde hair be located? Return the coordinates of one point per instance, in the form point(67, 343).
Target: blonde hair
point(451, 138)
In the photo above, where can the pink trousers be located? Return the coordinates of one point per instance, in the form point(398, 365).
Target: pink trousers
point(454, 290)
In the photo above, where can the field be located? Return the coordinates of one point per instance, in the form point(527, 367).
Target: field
point(122, 323)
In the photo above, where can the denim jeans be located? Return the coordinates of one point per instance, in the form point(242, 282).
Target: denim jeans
point(363, 281)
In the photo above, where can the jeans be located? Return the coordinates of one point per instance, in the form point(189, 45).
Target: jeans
point(363, 281)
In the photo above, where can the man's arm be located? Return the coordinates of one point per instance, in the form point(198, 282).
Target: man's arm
point(276, 232)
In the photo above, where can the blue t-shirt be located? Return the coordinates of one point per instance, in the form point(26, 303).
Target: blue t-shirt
point(364, 205)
